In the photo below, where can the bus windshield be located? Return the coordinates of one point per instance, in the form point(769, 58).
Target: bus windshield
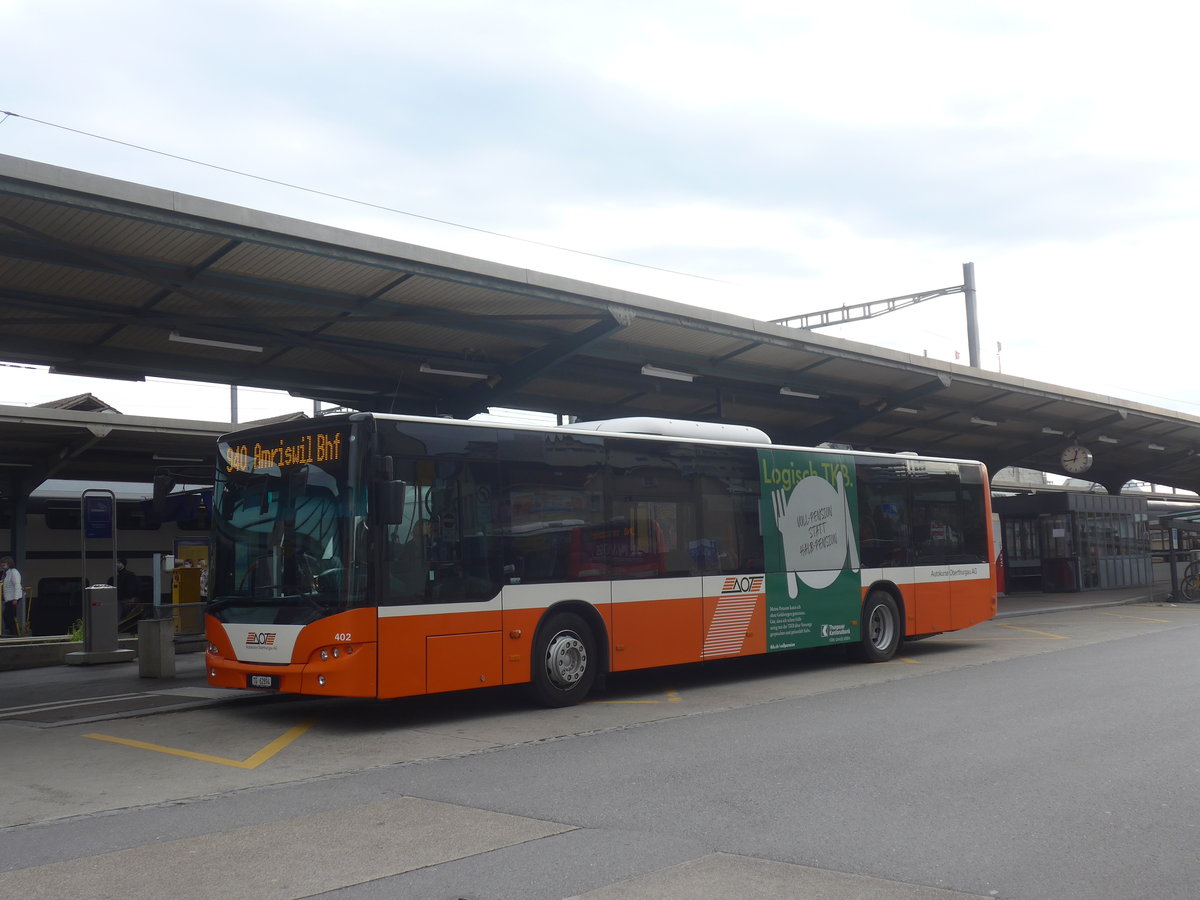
point(287, 532)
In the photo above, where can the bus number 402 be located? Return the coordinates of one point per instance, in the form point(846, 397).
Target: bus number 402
point(343, 636)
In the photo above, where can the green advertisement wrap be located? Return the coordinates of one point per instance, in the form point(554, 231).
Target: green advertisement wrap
point(809, 508)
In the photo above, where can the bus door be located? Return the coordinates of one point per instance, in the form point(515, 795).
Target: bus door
point(937, 537)
point(440, 622)
point(657, 602)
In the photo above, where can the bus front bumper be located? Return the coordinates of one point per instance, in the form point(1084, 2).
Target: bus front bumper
point(348, 674)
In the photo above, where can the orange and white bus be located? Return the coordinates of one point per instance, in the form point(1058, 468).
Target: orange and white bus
point(368, 555)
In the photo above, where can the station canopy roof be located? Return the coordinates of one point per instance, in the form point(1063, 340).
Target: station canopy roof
point(1185, 520)
point(118, 280)
point(95, 443)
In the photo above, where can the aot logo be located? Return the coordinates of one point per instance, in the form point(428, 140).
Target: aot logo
point(260, 639)
point(742, 584)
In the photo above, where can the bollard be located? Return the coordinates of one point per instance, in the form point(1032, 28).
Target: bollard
point(156, 648)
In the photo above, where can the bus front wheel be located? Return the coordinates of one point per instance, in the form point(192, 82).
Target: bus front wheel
point(564, 661)
point(880, 627)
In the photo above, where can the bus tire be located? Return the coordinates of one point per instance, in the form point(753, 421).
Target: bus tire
point(880, 627)
point(565, 660)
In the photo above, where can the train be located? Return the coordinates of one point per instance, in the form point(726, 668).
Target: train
point(61, 559)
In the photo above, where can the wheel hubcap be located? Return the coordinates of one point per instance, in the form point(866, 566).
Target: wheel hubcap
point(881, 628)
point(566, 659)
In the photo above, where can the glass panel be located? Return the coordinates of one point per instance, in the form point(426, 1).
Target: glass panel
point(1021, 546)
point(883, 513)
point(938, 523)
point(730, 539)
point(654, 525)
point(444, 549)
point(1056, 536)
point(557, 524)
point(288, 532)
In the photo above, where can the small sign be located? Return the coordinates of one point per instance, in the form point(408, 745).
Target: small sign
point(98, 517)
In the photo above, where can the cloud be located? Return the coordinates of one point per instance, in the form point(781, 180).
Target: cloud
point(496, 117)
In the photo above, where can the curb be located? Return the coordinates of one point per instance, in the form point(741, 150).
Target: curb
point(1124, 601)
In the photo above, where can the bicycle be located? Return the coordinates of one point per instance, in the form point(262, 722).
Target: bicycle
point(1189, 585)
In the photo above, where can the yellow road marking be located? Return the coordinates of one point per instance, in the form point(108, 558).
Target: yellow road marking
point(1137, 618)
point(672, 696)
point(1046, 634)
point(904, 659)
point(251, 762)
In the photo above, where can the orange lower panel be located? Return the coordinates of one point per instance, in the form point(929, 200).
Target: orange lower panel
point(656, 633)
point(932, 606)
point(460, 661)
point(404, 661)
point(972, 604)
point(519, 628)
point(947, 606)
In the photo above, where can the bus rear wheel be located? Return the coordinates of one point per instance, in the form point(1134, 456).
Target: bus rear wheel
point(564, 661)
point(880, 627)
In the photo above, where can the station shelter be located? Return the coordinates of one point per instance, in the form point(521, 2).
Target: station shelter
point(1074, 541)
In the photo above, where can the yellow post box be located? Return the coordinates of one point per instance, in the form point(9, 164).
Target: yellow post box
point(185, 597)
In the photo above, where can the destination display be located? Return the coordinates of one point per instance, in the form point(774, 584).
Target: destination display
point(294, 450)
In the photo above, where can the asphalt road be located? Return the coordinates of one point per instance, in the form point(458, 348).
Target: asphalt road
point(1049, 756)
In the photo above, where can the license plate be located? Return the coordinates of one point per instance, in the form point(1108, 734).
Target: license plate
point(266, 682)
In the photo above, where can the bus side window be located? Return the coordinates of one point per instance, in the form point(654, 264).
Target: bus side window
point(445, 548)
point(553, 517)
point(882, 511)
point(730, 537)
point(655, 495)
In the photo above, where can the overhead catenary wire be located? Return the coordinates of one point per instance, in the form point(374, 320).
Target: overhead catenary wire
point(344, 199)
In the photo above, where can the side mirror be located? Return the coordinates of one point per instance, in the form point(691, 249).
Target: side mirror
point(297, 479)
point(390, 500)
point(163, 485)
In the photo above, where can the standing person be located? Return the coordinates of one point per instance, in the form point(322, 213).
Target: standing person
point(10, 594)
point(127, 590)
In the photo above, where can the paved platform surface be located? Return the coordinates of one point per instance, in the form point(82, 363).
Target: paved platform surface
point(104, 798)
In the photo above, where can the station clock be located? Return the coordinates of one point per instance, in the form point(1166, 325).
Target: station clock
point(1076, 459)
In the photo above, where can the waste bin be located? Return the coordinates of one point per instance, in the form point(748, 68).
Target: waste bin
point(100, 618)
point(100, 643)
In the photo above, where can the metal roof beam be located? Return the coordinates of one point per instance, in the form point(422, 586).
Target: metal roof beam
point(1029, 453)
point(831, 428)
point(68, 450)
point(479, 397)
point(174, 279)
point(118, 363)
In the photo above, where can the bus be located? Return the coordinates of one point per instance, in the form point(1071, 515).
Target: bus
point(370, 555)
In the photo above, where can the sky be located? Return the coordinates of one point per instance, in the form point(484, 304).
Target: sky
point(763, 158)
